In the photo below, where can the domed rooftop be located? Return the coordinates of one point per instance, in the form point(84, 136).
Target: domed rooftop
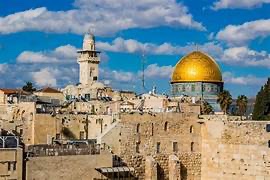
point(196, 67)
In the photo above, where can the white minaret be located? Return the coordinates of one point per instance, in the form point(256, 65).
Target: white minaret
point(88, 60)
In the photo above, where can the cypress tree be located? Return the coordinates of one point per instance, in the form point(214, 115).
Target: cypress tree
point(262, 104)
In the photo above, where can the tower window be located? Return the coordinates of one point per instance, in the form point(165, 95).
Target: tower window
point(91, 71)
point(95, 78)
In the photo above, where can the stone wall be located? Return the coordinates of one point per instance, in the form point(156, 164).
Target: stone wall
point(11, 163)
point(159, 136)
point(235, 150)
point(47, 126)
point(67, 167)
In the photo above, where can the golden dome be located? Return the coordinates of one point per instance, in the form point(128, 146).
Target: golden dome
point(196, 67)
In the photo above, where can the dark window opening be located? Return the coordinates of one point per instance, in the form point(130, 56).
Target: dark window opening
point(14, 166)
point(267, 127)
point(95, 78)
point(138, 128)
point(191, 129)
point(57, 136)
point(152, 130)
point(9, 166)
point(158, 147)
point(192, 147)
point(166, 126)
point(175, 147)
point(137, 147)
point(21, 132)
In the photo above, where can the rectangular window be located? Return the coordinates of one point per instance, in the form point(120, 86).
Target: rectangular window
point(95, 78)
point(87, 97)
point(158, 147)
point(175, 147)
point(183, 88)
point(14, 166)
point(267, 127)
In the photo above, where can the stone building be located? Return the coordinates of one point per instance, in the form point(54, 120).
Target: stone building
point(192, 147)
point(51, 95)
point(11, 158)
point(197, 75)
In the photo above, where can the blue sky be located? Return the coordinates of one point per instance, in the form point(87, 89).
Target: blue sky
point(39, 39)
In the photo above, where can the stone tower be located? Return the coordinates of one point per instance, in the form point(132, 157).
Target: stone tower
point(88, 60)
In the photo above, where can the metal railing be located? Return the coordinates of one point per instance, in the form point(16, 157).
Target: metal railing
point(62, 150)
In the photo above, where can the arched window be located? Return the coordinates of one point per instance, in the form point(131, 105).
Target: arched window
point(192, 146)
point(138, 128)
point(191, 129)
point(152, 130)
point(166, 126)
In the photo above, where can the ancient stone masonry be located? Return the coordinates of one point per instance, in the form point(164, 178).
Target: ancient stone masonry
point(160, 136)
point(235, 150)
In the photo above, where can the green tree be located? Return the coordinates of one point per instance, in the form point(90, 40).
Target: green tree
point(261, 109)
point(206, 108)
point(241, 103)
point(225, 100)
point(28, 87)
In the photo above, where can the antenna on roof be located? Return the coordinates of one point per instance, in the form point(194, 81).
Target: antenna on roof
point(143, 62)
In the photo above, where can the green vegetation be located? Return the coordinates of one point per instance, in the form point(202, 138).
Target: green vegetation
point(241, 104)
point(262, 104)
point(206, 108)
point(225, 100)
point(28, 87)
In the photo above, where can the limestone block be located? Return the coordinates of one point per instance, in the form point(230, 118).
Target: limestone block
point(150, 168)
point(174, 168)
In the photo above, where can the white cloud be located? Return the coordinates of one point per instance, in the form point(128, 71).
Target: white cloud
point(62, 54)
point(241, 34)
point(233, 4)
point(134, 46)
point(246, 57)
point(243, 80)
point(155, 71)
point(105, 17)
point(45, 77)
point(3, 68)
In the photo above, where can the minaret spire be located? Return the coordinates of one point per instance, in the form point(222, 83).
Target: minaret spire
point(88, 60)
